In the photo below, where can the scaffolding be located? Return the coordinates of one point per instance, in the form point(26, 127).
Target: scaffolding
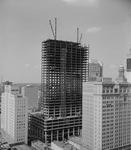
point(63, 70)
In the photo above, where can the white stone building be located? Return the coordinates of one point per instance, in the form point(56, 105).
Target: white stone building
point(14, 115)
point(106, 123)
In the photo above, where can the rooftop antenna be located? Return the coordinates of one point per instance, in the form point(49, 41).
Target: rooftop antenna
point(52, 29)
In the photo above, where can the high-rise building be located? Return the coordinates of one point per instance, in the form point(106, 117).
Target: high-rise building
point(128, 66)
point(106, 123)
point(14, 115)
point(64, 68)
point(95, 70)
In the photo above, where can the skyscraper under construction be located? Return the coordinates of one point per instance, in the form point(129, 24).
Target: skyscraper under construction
point(64, 68)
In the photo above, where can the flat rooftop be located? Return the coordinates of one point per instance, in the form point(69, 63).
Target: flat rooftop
point(23, 147)
point(41, 116)
point(78, 140)
point(64, 146)
point(37, 142)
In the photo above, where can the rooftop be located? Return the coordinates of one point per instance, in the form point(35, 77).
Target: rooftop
point(78, 140)
point(23, 147)
point(39, 143)
point(41, 116)
point(65, 146)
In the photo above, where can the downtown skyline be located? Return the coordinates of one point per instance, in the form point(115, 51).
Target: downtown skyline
point(105, 25)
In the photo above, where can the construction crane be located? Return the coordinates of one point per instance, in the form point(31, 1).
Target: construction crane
point(78, 40)
point(54, 33)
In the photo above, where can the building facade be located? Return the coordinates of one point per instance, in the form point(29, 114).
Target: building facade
point(64, 68)
point(106, 121)
point(128, 66)
point(95, 70)
point(14, 115)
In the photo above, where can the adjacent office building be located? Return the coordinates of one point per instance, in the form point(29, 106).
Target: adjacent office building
point(95, 70)
point(128, 66)
point(106, 123)
point(14, 115)
point(64, 68)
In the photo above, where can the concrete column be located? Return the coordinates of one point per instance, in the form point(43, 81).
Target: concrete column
point(57, 134)
point(78, 131)
point(68, 132)
point(37, 132)
point(71, 110)
point(45, 137)
point(73, 131)
point(42, 135)
point(63, 134)
point(51, 136)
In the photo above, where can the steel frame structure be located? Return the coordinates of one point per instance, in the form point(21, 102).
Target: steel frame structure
point(64, 67)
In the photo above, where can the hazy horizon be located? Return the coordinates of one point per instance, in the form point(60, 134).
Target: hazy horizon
point(105, 25)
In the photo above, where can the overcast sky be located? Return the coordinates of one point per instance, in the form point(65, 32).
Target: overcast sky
point(24, 24)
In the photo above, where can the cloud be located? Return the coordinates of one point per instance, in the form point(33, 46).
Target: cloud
point(93, 30)
point(81, 2)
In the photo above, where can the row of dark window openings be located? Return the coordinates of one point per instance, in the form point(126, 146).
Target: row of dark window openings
point(115, 90)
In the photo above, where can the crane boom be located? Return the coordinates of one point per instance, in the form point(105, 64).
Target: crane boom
point(52, 29)
point(80, 38)
point(55, 28)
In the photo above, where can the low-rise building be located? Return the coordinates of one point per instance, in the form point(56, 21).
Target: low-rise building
point(74, 143)
point(38, 145)
point(21, 147)
point(77, 142)
point(56, 145)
